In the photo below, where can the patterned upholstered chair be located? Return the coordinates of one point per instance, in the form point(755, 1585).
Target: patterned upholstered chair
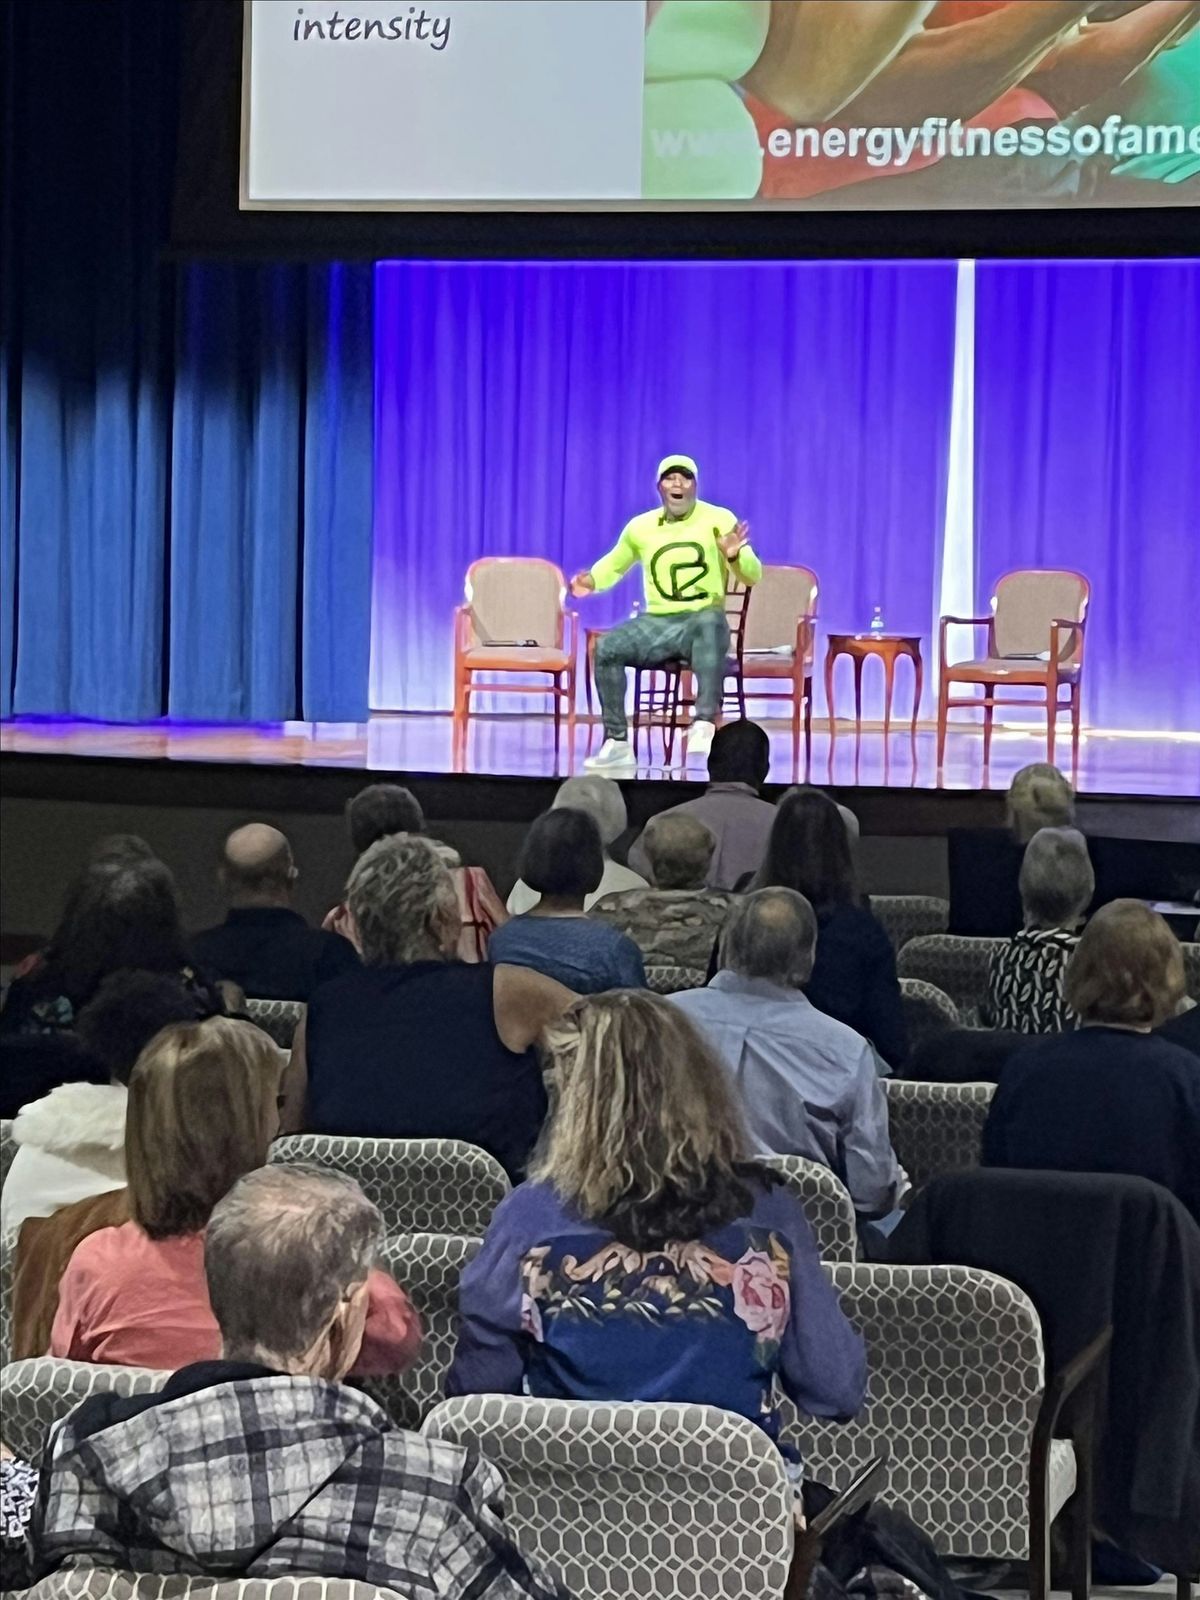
point(420, 1185)
point(91, 1584)
point(279, 1018)
point(36, 1394)
point(954, 964)
point(827, 1204)
point(428, 1266)
point(8, 1147)
point(969, 1461)
point(1191, 969)
point(777, 645)
point(937, 1127)
point(676, 1502)
point(927, 1009)
point(909, 916)
point(8, 1266)
point(513, 621)
point(1035, 634)
point(674, 980)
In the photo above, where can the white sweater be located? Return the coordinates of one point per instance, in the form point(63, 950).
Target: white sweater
point(71, 1146)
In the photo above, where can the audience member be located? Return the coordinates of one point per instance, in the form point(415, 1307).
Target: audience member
point(1109, 1097)
point(418, 1044)
point(120, 912)
point(731, 808)
point(854, 973)
point(807, 1084)
point(675, 922)
point(985, 863)
point(264, 945)
point(203, 1109)
point(601, 798)
point(382, 810)
point(563, 861)
point(1025, 977)
point(226, 1454)
point(71, 1144)
point(642, 1204)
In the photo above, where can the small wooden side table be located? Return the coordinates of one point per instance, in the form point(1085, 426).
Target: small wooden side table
point(889, 647)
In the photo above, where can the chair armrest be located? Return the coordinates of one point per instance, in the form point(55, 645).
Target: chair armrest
point(1080, 1375)
point(462, 627)
point(967, 622)
point(988, 622)
point(571, 631)
point(1075, 625)
point(811, 1539)
point(806, 636)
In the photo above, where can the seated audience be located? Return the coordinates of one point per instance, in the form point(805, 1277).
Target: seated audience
point(985, 863)
point(675, 922)
point(203, 1109)
point(807, 1084)
point(264, 946)
point(71, 1144)
point(161, 1482)
point(601, 798)
point(642, 1203)
point(563, 861)
point(384, 809)
point(418, 1044)
point(854, 973)
point(1025, 977)
point(1109, 1097)
point(121, 912)
point(731, 808)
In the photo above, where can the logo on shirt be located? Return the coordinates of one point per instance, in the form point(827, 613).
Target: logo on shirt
point(678, 571)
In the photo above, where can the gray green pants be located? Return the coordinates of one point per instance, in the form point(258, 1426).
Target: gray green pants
point(698, 637)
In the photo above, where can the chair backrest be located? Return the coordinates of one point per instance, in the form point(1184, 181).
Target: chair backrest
point(927, 1009)
point(620, 1501)
point(1191, 968)
point(514, 598)
point(674, 980)
point(827, 1204)
point(36, 1394)
point(953, 963)
point(420, 1185)
point(937, 1127)
point(428, 1266)
point(279, 1018)
point(956, 1381)
point(8, 1147)
point(1026, 603)
point(91, 1583)
point(910, 916)
point(781, 595)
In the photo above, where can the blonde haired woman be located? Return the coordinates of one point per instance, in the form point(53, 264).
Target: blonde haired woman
point(646, 1258)
point(203, 1109)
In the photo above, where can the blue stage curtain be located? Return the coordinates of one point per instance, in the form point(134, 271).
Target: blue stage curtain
point(1087, 455)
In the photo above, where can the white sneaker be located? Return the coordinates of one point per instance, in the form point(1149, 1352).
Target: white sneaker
point(700, 738)
point(612, 754)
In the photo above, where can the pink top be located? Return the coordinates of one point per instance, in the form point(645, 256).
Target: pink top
point(129, 1300)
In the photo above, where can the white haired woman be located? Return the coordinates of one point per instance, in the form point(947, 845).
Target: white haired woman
point(1025, 978)
point(603, 801)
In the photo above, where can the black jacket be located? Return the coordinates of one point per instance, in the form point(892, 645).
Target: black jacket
point(271, 953)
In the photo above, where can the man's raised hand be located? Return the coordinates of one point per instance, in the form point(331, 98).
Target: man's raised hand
point(732, 543)
point(582, 583)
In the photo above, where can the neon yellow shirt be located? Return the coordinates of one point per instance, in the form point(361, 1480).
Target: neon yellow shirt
point(682, 566)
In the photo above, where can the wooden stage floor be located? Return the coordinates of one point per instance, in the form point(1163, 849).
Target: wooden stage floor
point(507, 745)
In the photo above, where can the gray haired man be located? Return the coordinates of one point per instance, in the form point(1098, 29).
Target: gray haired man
point(263, 1462)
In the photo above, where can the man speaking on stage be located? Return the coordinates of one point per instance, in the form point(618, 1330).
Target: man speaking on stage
point(686, 550)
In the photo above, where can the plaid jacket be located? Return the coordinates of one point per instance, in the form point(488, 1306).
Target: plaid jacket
point(267, 1475)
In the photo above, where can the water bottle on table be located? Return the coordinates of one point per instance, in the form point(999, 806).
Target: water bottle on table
point(877, 620)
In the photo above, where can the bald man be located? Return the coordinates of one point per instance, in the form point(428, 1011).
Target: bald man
point(264, 945)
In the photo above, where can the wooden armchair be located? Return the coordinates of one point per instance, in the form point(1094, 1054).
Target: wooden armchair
point(1035, 636)
point(778, 642)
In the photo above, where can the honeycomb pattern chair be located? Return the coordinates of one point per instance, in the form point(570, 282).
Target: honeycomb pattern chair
point(420, 1185)
point(428, 1267)
point(93, 1584)
point(674, 980)
point(927, 1009)
point(8, 1147)
point(909, 916)
point(953, 963)
point(279, 1018)
point(969, 1461)
point(937, 1127)
point(1035, 636)
point(1191, 970)
point(36, 1394)
point(827, 1204)
point(627, 1502)
point(8, 1266)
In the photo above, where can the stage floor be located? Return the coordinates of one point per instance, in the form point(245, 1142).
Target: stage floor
point(1110, 764)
